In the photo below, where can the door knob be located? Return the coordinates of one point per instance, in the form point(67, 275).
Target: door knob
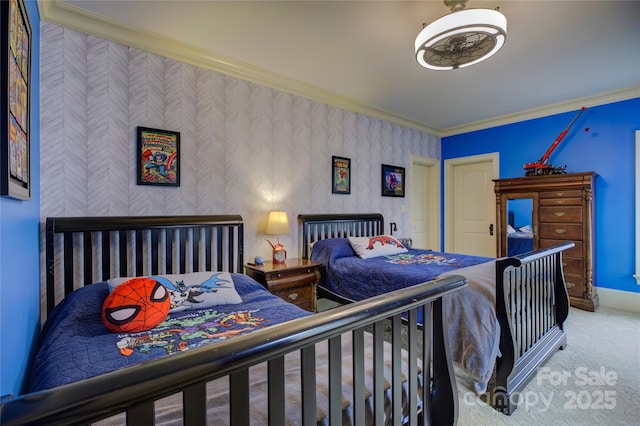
point(491, 229)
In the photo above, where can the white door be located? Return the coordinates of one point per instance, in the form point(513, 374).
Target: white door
point(425, 203)
point(471, 205)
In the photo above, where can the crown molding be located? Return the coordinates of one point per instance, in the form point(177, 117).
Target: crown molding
point(590, 101)
point(69, 16)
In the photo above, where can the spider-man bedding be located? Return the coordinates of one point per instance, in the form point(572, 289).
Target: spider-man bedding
point(76, 345)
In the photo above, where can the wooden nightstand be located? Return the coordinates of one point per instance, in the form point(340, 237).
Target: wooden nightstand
point(294, 281)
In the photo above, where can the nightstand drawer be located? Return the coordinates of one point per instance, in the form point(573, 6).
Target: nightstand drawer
point(300, 296)
point(279, 280)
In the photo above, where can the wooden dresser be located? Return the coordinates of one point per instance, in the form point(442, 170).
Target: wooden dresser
point(562, 210)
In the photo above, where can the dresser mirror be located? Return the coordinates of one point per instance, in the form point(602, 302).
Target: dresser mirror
point(521, 228)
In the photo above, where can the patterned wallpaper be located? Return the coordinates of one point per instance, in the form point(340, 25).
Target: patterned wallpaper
point(246, 149)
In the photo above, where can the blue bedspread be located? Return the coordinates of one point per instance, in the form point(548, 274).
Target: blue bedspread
point(473, 328)
point(75, 345)
point(358, 279)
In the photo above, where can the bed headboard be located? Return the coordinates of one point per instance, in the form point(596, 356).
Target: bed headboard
point(84, 250)
point(321, 226)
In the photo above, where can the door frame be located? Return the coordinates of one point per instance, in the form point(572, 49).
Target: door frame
point(449, 165)
point(434, 195)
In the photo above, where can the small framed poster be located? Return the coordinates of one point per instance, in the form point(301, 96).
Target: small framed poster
point(393, 182)
point(158, 153)
point(340, 175)
point(15, 86)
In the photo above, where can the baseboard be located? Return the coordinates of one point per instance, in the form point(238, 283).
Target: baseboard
point(618, 299)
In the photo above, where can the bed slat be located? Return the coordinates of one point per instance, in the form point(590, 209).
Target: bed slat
point(358, 377)
point(194, 400)
point(308, 366)
point(276, 391)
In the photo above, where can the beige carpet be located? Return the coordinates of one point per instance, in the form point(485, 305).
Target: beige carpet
point(594, 381)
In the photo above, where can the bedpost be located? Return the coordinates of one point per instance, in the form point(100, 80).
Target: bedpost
point(505, 363)
point(444, 395)
point(562, 295)
point(50, 264)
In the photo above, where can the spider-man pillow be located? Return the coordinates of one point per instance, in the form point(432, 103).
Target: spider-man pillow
point(138, 304)
point(196, 290)
point(381, 245)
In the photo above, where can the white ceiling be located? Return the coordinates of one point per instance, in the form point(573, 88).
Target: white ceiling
point(359, 55)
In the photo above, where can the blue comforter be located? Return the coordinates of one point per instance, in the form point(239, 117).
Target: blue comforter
point(358, 279)
point(75, 345)
point(473, 328)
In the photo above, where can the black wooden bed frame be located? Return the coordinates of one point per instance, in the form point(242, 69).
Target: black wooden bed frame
point(532, 302)
point(84, 250)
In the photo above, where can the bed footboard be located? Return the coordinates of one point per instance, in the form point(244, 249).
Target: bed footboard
point(531, 305)
point(135, 389)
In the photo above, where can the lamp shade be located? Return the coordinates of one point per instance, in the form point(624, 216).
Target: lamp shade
point(278, 223)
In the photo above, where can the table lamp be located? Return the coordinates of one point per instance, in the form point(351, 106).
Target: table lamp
point(278, 224)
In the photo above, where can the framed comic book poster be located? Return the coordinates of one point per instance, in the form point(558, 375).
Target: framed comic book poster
point(15, 85)
point(340, 175)
point(393, 182)
point(158, 153)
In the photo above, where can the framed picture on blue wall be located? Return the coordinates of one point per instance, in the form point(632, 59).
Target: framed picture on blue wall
point(393, 181)
point(15, 86)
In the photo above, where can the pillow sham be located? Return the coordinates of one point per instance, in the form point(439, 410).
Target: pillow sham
point(138, 304)
point(381, 245)
point(195, 290)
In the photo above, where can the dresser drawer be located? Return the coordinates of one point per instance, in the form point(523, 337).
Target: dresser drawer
point(575, 284)
point(572, 265)
point(576, 251)
point(573, 193)
point(560, 201)
point(561, 214)
point(564, 231)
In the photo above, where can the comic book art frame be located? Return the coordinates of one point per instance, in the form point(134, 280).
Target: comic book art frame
point(158, 157)
point(393, 181)
point(15, 85)
point(340, 175)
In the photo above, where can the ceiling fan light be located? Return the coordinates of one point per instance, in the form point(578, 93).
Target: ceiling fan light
point(461, 39)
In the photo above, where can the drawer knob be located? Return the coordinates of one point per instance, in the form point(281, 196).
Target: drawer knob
point(560, 214)
point(560, 231)
point(293, 296)
point(570, 284)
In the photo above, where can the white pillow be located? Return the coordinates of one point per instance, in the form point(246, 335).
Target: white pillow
point(527, 229)
point(381, 245)
point(196, 290)
point(510, 229)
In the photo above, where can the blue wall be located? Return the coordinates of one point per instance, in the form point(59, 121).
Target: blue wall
point(19, 258)
point(607, 148)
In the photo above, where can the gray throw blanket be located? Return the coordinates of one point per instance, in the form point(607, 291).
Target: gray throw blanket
point(474, 332)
